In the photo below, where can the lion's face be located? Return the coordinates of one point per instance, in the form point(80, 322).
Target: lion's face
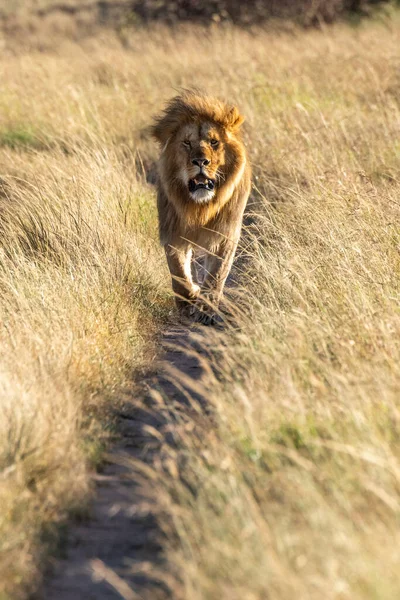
point(202, 156)
point(201, 153)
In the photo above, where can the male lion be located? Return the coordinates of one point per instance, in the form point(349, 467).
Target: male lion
point(203, 185)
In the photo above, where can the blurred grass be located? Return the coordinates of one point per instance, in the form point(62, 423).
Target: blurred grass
point(20, 136)
point(83, 293)
point(295, 478)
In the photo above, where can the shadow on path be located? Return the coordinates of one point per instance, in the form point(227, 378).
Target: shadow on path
point(117, 552)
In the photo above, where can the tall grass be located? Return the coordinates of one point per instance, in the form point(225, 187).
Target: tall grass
point(296, 477)
point(83, 290)
point(291, 486)
point(295, 490)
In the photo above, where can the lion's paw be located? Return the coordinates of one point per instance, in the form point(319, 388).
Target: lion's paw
point(204, 315)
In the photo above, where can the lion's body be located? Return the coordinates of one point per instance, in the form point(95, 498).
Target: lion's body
point(203, 185)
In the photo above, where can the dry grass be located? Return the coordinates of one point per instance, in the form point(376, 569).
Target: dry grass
point(297, 482)
point(294, 492)
point(83, 290)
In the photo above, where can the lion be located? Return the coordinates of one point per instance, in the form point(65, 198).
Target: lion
point(204, 181)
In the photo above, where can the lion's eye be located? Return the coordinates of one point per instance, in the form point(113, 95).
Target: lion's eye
point(214, 143)
point(186, 143)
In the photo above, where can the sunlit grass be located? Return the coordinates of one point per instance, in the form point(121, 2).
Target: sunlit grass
point(296, 478)
point(82, 291)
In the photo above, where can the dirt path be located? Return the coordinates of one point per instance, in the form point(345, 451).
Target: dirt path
point(105, 556)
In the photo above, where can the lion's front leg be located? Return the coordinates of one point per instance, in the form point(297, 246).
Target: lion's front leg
point(180, 266)
point(218, 267)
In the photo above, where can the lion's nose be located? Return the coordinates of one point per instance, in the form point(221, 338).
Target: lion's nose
point(201, 162)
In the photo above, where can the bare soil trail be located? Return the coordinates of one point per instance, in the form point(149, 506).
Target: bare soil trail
point(105, 555)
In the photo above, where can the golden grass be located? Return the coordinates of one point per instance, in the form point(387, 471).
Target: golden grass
point(83, 290)
point(295, 489)
point(297, 486)
point(297, 482)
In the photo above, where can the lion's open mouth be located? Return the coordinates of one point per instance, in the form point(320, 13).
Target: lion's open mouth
point(201, 182)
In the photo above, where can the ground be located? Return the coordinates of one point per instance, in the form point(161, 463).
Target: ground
point(118, 551)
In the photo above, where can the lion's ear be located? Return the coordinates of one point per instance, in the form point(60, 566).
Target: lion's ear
point(160, 132)
point(233, 119)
